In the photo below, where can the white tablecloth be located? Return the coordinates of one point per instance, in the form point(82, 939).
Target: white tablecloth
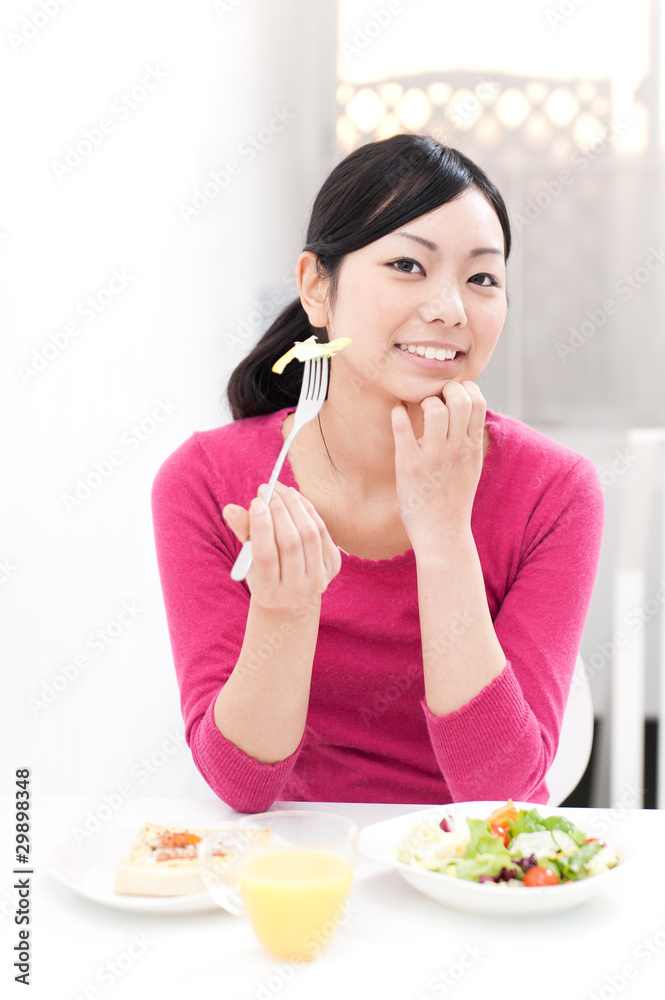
point(397, 943)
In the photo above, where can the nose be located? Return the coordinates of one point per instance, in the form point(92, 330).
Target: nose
point(446, 305)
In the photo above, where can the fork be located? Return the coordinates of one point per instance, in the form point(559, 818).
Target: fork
point(312, 394)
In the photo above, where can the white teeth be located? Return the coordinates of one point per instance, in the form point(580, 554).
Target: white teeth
point(441, 354)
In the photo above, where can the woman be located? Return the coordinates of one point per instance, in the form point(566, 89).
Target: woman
point(410, 623)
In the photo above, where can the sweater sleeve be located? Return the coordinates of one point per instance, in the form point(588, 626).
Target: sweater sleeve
point(502, 743)
point(207, 615)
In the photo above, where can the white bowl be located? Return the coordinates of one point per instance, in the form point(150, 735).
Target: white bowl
point(380, 840)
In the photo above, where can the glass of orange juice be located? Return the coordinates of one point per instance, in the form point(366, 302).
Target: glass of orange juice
point(289, 871)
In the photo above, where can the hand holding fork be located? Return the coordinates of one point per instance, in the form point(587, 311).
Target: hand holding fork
point(288, 574)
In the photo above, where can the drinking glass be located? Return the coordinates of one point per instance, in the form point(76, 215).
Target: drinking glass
point(289, 871)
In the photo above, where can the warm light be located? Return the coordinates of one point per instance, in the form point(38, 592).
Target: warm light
point(439, 93)
point(512, 107)
point(344, 93)
point(537, 131)
point(587, 130)
point(536, 91)
point(561, 106)
point(346, 133)
point(366, 109)
point(391, 92)
point(488, 132)
point(414, 109)
point(586, 90)
point(389, 125)
point(464, 109)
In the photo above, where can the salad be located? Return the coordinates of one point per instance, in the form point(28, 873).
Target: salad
point(510, 847)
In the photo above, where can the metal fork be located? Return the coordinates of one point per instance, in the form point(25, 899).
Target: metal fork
point(312, 394)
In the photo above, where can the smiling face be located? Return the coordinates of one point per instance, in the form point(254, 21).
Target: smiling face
point(439, 281)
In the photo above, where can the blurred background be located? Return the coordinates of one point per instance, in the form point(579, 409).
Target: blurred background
point(161, 161)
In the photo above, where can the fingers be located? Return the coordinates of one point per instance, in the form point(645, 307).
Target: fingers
point(405, 441)
point(476, 424)
point(237, 519)
point(467, 407)
point(265, 556)
point(300, 548)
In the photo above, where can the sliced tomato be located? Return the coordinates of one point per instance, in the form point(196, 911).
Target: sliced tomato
point(540, 875)
point(503, 815)
point(501, 831)
point(590, 840)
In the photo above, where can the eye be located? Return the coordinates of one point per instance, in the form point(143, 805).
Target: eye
point(491, 282)
point(406, 260)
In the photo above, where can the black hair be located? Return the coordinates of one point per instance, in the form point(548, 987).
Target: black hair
point(376, 189)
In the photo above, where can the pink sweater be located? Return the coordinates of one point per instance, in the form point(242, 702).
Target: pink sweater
point(537, 522)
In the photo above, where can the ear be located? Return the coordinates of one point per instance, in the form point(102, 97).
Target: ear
point(312, 288)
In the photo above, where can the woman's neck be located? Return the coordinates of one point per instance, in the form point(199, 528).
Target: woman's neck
point(350, 448)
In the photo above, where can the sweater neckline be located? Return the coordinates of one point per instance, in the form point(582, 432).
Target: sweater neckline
point(404, 559)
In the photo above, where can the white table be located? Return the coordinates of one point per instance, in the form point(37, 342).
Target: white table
point(397, 944)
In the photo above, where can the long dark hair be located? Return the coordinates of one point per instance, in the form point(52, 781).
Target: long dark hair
point(376, 189)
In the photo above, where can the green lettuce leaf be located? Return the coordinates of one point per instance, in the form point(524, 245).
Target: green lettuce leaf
point(528, 821)
point(572, 865)
point(485, 864)
point(483, 841)
point(560, 823)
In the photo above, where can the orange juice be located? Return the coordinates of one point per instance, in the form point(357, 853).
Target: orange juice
point(295, 899)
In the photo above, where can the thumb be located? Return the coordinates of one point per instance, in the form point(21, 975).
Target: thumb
point(238, 520)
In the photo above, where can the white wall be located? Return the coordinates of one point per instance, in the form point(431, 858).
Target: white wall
point(154, 357)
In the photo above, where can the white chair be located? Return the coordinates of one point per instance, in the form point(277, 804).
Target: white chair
point(575, 739)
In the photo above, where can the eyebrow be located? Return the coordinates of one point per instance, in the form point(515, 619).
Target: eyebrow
point(478, 252)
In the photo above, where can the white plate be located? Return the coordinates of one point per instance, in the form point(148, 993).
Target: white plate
point(379, 841)
point(89, 869)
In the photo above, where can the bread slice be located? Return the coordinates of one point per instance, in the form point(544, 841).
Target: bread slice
point(163, 861)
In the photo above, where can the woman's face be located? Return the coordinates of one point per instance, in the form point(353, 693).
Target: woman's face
point(441, 286)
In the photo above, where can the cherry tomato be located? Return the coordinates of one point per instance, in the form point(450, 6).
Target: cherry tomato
point(539, 875)
point(590, 840)
point(501, 831)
